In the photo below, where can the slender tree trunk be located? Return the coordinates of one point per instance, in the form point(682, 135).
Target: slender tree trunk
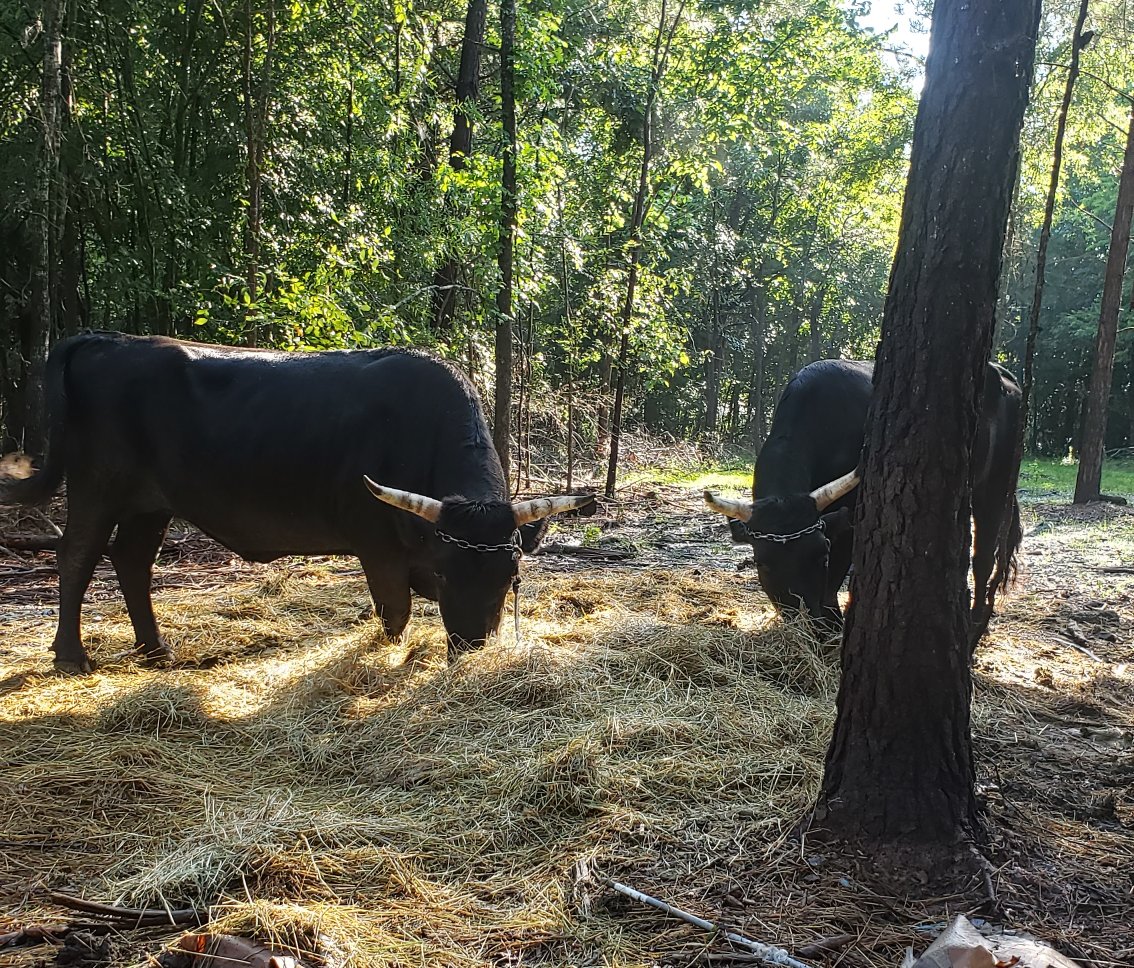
point(757, 333)
point(714, 367)
point(460, 147)
point(899, 770)
point(814, 331)
point(1091, 450)
point(46, 190)
point(255, 121)
point(1045, 228)
point(502, 427)
point(662, 41)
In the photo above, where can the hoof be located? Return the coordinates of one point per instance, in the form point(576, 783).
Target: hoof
point(73, 667)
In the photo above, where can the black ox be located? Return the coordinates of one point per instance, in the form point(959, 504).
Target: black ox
point(267, 452)
point(799, 522)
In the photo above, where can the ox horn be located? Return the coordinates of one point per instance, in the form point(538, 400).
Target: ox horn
point(542, 507)
point(828, 494)
point(424, 507)
point(740, 510)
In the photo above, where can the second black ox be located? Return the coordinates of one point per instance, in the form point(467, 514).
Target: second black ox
point(278, 454)
point(799, 521)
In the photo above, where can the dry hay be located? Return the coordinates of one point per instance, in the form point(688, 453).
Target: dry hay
point(315, 784)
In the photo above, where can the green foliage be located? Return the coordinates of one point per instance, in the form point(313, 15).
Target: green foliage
point(779, 145)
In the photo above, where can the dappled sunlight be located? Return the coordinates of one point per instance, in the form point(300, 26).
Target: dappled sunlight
point(315, 778)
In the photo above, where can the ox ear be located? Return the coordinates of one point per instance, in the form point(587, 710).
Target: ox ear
point(836, 522)
point(532, 534)
point(525, 512)
point(739, 532)
point(424, 507)
point(736, 510)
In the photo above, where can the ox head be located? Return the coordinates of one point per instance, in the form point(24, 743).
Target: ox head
point(791, 543)
point(478, 553)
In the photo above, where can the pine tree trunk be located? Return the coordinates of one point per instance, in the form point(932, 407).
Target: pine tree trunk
point(46, 189)
point(502, 425)
point(1088, 483)
point(460, 147)
point(899, 768)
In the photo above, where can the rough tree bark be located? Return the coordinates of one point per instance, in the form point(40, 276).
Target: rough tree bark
point(899, 769)
point(1088, 482)
point(460, 147)
point(46, 189)
point(502, 425)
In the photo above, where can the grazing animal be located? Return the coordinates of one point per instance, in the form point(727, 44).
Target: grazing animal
point(799, 521)
point(275, 454)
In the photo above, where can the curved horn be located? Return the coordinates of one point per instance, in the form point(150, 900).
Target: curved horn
point(424, 507)
point(526, 512)
point(828, 494)
point(740, 510)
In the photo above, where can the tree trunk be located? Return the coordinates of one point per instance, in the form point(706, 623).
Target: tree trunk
point(714, 366)
point(1089, 480)
point(899, 769)
point(502, 426)
point(757, 331)
point(814, 331)
point(46, 190)
point(1045, 227)
point(255, 130)
point(460, 147)
point(662, 41)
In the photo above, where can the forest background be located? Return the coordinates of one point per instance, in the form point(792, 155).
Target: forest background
point(705, 191)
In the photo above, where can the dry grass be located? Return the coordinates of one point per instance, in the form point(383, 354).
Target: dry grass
point(310, 781)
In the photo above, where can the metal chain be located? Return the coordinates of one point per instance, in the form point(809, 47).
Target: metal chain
point(783, 538)
point(513, 545)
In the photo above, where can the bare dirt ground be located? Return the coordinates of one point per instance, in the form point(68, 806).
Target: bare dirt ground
point(298, 776)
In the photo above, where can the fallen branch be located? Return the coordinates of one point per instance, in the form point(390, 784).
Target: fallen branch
point(582, 551)
point(46, 542)
point(1116, 570)
point(765, 952)
point(1078, 648)
point(139, 917)
point(35, 934)
point(824, 946)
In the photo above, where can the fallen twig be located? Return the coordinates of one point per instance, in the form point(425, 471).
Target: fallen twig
point(824, 945)
point(765, 952)
point(34, 934)
point(1078, 648)
point(1116, 570)
point(140, 917)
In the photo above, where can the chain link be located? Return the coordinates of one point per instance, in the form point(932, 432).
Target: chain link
point(514, 545)
point(783, 538)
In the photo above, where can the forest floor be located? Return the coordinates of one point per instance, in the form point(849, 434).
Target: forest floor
point(306, 780)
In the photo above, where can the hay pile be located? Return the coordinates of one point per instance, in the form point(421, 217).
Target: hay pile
point(312, 783)
point(314, 779)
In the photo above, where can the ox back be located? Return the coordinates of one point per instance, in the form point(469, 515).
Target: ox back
point(816, 437)
point(266, 452)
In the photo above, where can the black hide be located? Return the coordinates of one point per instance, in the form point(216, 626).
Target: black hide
point(266, 452)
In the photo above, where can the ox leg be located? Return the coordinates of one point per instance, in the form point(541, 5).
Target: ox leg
point(83, 543)
point(390, 589)
point(838, 565)
point(986, 528)
point(133, 554)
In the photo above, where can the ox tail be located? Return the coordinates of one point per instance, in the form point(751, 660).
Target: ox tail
point(45, 481)
point(1004, 570)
